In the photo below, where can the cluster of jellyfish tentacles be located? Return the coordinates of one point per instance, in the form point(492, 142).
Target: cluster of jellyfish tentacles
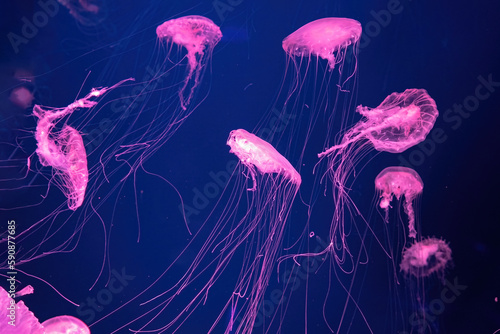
point(401, 121)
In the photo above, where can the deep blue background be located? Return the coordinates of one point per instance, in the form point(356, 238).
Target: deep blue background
point(443, 48)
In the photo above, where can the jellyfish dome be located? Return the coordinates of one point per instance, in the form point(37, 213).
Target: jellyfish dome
point(323, 38)
point(401, 121)
point(254, 152)
point(398, 181)
point(426, 257)
point(16, 317)
point(197, 34)
point(65, 324)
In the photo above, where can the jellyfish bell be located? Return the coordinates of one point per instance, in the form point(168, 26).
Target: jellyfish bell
point(255, 152)
point(399, 181)
point(198, 35)
point(325, 38)
point(426, 257)
point(401, 121)
point(65, 324)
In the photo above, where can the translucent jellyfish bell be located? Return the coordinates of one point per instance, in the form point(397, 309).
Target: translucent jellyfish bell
point(198, 35)
point(398, 181)
point(426, 257)
point(401, 121)
point(325, 38)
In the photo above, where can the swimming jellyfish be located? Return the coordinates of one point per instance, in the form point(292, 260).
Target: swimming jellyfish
point(198, 35)
point(64, 151)
point(401, 121)
point(326, 38)
point(242, 246)
point(399, 181)
point(16, 318)
point(426, 257)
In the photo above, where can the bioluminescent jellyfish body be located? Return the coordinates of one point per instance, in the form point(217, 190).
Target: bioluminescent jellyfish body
point(64, 151)
point(426, 257)
point(16, 318)
point(198, 35)
point(400, 181)
point(326, 38)
point(237, 252)
point(401, 121)
point(65, 324)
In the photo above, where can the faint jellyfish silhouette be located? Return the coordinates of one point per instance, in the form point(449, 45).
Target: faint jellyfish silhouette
point(86, 12)
point(198, 35)
point(246, 240)
point(398, 181)
point(426, 257)
point(326, 38)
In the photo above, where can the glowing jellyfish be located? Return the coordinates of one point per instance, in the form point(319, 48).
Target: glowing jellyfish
point(64, 151)
point(401, 121)
point(399, 181)
point(326, 38)
point(16, 318)
point(198, 35)
point(65, 324)
point(248, 242)
point(426, 257)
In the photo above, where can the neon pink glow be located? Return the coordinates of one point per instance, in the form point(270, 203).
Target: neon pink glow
point(398, 181)
point(64, 151)
point(197, 34)
point(65, 324)
point(401, 121)
point(426, 257)
point(254, 152)
point(324, 38)
point(16, 317)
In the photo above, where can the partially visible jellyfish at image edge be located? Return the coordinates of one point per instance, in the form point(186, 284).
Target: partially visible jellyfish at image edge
point(401, 121)
point(16, 318)
point(426, 257)
point(246, 240)
point(399, 181)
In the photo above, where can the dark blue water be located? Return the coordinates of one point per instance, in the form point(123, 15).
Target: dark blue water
point(452, 51)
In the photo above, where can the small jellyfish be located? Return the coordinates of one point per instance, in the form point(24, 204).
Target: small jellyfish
point(326, 38)
point(426, 257)
point(198, 35)
point(398, 181)
point(401, 121)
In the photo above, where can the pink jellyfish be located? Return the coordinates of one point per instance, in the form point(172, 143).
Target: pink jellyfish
point(398, 181)
point(198, 35)
point(65, 324)
point(16, 318)
point(326, 38)
point(401, 121)
point(64, 151)
point(242, 246)
point(426, 257)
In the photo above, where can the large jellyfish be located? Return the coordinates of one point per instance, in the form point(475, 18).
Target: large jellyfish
point(240, 247)
point(399, 181)
point(198, 35)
